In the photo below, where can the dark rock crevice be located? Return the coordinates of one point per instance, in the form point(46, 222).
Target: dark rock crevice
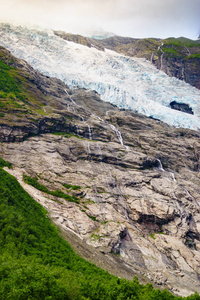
point(181, 107)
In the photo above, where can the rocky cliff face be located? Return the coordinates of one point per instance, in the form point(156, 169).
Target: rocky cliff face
point(179, 58)
point(137, 179)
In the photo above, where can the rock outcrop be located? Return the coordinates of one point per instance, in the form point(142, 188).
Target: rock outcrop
point(79, 39)
point(137, 179)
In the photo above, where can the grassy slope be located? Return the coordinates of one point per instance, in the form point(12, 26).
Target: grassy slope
point(36, 263)
point(182, 47)
point(17, 95)
point(29, 101)
point(174, 47)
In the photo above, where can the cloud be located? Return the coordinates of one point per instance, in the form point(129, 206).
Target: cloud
point(137, 18)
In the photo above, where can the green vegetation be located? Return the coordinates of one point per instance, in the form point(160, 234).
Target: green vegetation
point(152, 236)
point(4, 163)
point(72, 187)
point(17, 94)
point(170, 51)
point(180, 48)
point(66, 135)
point(189, 43)
point(92, 217)
point(196, 56)
point(34, 182)
point(181, 42)
point(95, 237)
point(101, 190)
point(10, 90)
point(36, 262)
point(173, 42)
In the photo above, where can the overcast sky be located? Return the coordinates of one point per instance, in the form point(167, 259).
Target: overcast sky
point(135, 18)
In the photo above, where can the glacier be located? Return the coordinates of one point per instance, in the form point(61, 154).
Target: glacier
point(130, 83)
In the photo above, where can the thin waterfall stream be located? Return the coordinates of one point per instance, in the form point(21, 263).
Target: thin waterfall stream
point(161, 57)
point(160, 167)
point(103, 166)
point(112, 127)
point(172, 176)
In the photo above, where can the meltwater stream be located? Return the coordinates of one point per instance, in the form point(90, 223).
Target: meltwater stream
point(112, 127)
point(130, 83)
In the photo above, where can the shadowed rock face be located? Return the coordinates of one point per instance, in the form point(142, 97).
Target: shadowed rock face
point(182, 107)
point(138, 180)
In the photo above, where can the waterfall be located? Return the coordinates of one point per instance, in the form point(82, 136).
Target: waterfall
point(189, 195)
point(152, 55)
point(173, 176)
point(188, 51)
point(100, 152)
point(161, 62)
point(70, 97)
point(90, 132)
point(183, 71)
point(90, 137)
point(161, 58)
point(105, 170)
point(118, 134)
point(160, 166)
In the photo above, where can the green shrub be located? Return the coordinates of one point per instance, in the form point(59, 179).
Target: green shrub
point(34, 182)
point(194, 56)
point(72, 187)
point(4, 163)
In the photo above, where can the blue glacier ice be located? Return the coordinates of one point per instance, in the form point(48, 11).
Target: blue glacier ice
point(131, 83)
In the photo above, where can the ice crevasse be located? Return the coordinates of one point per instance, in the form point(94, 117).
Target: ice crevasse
point(130, 83)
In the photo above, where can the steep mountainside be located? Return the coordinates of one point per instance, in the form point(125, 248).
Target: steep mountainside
point(123, 183)
point(31, 103)
point(179, 57)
